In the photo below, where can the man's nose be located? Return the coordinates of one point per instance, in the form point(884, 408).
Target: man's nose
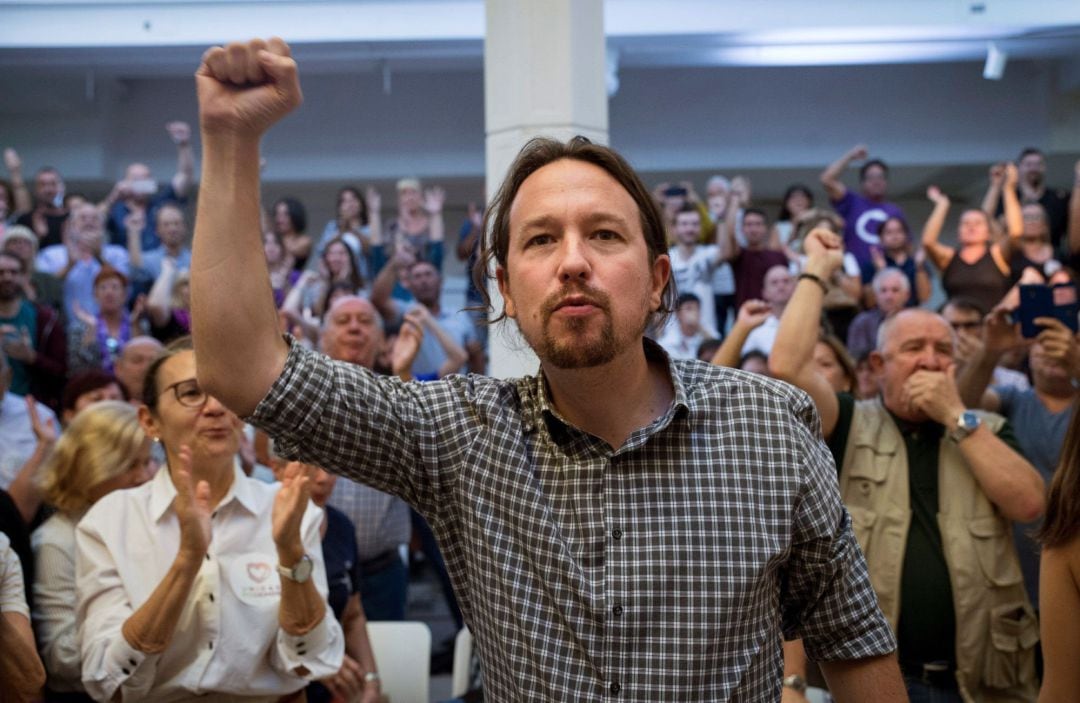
point(574, 260)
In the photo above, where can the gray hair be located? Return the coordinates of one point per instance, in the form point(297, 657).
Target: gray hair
point(718, 180)
point(885, 328)
point(326, 315)
point(880, 276)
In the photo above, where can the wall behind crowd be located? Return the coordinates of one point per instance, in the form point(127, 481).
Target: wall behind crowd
point(933, 123)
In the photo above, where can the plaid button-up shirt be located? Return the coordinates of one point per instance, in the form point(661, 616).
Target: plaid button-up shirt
point(665, 570)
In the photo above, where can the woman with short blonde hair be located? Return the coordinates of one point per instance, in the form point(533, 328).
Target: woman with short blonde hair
point(102, 450)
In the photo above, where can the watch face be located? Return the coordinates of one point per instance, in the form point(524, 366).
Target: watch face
point(302, 571)
point(969, 420)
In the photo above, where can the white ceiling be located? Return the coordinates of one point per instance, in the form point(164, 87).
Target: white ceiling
point(112, 37)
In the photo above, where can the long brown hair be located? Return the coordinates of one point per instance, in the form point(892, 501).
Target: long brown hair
point(1062, 521)
point(537, 153)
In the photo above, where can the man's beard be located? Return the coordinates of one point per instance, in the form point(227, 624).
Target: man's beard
point(9, 291)
point(575, 351)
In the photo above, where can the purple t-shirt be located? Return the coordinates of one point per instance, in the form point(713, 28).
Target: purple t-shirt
point(862, 220)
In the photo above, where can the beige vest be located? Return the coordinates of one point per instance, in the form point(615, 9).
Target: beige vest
point(996, 629)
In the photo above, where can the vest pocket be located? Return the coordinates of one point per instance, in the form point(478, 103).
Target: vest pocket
point(994, 550)
point(1010, 659)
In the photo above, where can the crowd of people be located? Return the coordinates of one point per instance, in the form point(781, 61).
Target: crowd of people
point(215, 574)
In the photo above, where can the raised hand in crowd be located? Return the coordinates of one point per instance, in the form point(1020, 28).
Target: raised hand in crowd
point(1059, 344)
point(859, 152)
point(179, 132)
point(12, 162)
point(752, 314)
point(243, 89)
point(373, 200)
point(741, 190)
point(407, 344)
point(434, 199)
point(936, 196)
point(24, 490)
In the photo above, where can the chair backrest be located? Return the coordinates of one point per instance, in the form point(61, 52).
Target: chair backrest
point(403, 654)
point(463, 647)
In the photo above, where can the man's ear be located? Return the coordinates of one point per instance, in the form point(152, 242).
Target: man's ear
point(504, 290)
point(661, 274)
point(877, 363)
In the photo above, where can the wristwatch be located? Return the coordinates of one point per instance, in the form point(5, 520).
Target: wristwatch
point(795, 683)
point(967, 423)
point(299, 573)
point(371, 676)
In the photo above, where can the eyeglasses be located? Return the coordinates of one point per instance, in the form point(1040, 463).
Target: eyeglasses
point(188, 393)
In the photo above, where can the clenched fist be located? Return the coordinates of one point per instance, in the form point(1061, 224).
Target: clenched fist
point(244, 88)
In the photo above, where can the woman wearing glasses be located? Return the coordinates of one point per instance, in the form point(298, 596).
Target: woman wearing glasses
point(202, 581)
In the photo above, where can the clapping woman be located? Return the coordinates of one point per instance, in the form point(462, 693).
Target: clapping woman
point(202, 581)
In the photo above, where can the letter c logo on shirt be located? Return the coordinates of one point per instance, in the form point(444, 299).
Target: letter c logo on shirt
point(862, 225)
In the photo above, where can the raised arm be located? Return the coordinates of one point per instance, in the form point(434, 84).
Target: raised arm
point(830, 177)
point(1014, 216)
point(993, 191)
point(159, 301)
point(729, 243)
point(940, 254)
point(973, 379)
point(752, 315)
point(20, 194)
point(243, 89)
point(182, 180)
point(792, 354)
point(133, 227)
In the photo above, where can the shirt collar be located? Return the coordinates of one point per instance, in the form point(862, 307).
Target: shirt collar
point(163, 492)
point(537, 404)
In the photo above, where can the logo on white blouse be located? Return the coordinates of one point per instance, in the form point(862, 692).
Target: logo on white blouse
point(254, 580)
point(258, 571)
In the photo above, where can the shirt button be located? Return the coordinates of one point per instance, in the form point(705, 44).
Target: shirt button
point(616, 533)
point(208, 557)
point(211, 597)
point(617, 610)
point(615, 688)
point(211, 644)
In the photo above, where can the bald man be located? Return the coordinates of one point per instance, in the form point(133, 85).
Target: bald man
point(131, 365)
point(932, 488)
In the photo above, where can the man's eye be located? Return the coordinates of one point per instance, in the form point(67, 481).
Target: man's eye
point(606, 235)
point(539, 240)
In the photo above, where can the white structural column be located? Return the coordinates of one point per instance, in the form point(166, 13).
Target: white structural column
point(544, 66)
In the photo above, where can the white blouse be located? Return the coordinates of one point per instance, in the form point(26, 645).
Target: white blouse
point(227, 640)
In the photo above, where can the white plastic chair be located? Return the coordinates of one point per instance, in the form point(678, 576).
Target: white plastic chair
point(459, 680)
point(403, 654)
